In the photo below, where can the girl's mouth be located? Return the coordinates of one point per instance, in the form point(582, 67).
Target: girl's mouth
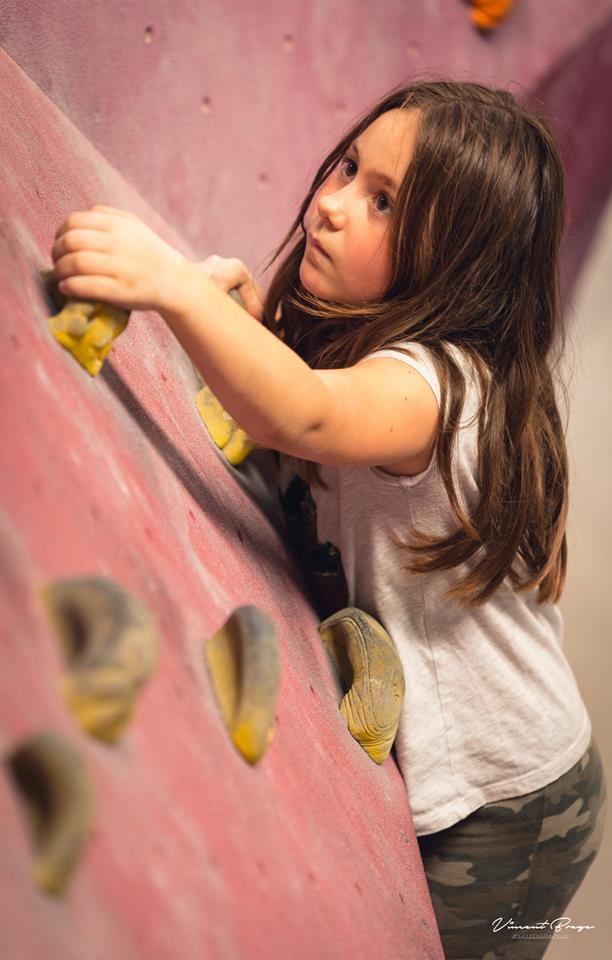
point(317, 246)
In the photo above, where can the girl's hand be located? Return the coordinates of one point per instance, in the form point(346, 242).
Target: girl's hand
point(111, 255)
point(229, 273)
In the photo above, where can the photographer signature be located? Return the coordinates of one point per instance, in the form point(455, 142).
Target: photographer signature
point(561, 923)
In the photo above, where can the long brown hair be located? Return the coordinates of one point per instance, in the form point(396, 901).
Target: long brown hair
point(475, 238)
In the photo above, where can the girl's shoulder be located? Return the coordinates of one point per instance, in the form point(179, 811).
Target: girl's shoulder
point(417, 356)
point(423, 359)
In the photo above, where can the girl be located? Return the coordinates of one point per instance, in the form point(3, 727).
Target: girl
point(404, 372)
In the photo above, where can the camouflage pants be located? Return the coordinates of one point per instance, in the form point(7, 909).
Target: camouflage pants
point(521, 860)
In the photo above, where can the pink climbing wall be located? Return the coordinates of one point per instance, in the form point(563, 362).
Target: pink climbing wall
point(193, 853)
point(207, 120)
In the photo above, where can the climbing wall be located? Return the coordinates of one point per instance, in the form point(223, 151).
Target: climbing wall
point(206, 121)
point(191, 851)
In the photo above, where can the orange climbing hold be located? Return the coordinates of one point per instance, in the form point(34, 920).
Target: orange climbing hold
point(488, 14)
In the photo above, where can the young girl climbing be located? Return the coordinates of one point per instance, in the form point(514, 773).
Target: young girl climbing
point(405, 372)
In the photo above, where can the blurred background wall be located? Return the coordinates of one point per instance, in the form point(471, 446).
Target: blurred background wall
point(219, 112)
point(587, 600)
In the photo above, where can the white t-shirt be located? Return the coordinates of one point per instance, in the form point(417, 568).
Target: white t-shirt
point(491, 708)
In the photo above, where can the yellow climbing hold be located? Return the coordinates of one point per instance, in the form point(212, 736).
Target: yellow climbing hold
point(110, 645)
point(87, 329)
point(244, 665)
point(224, 430)
point(371, 677)
point(227, 435)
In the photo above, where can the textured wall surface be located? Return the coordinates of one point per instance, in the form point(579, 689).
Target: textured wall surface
point(207, 120)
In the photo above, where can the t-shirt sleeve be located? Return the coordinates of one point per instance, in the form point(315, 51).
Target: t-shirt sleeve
point(423, 364)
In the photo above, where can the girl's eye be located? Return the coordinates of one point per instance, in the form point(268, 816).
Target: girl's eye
point(349, 168)
point(387, 203)
point(349, 172)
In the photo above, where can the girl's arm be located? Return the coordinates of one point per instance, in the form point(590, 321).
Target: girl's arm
point(266, 387)
point(378, 412)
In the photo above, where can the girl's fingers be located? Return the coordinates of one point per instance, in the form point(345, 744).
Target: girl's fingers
point(230, 273)
point(79, 239)
point(91, 288)
point(226, 272)
point(93, 220)
point(121, 213)
point(208, 266)
point(85, 262)
point(252, 299)
point(99, 217)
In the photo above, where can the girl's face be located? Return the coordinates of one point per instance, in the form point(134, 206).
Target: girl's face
point(348, 223)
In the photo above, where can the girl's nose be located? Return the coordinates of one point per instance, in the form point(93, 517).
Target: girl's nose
point(330, 206)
